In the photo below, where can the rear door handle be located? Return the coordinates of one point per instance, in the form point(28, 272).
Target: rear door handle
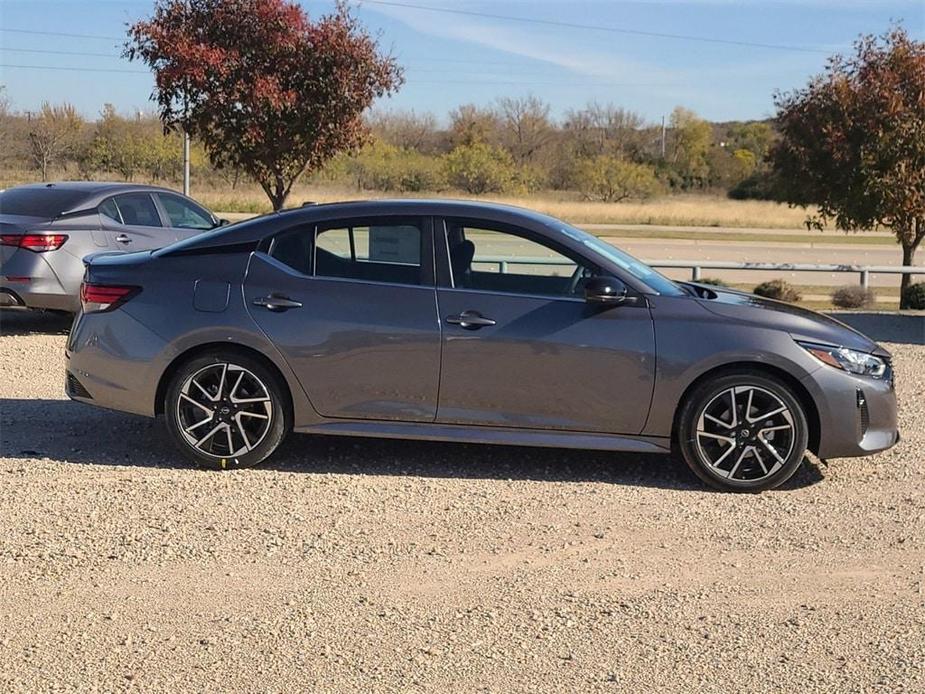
point(277, 303)
point(470, 320)
point(122, 238)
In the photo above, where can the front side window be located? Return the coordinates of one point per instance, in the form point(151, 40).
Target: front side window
point(137, 209)
point(375, 252)
point(184, 214)
point(503, 260)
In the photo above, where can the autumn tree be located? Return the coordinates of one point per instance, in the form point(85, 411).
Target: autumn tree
point(610, 179)
point(690, 141)
point(264, 88)
point(853, 141)
point(53, 135)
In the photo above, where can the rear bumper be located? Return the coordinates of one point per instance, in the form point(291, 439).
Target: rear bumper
point(857, 415)
point(112, 362)
point(27, 280)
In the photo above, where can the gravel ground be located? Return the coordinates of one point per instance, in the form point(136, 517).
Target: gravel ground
point(363, 565)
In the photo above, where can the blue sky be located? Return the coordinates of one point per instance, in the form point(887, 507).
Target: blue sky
point(453, 59)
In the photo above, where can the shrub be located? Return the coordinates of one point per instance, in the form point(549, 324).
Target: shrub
point(915, 296)
point(385, 167)
point(778, 289)
point(611, 179)
point(714, 281)
point(853, 296)
point(480, 168)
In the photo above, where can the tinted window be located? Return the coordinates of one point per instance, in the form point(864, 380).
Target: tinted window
point(294, 248)
point(109, 209)
point(39, 202)
point(389, 252)
point(500, 260)
point(137, 209)
point(184, 214)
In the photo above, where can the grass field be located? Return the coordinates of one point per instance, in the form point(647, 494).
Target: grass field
point(675, 210)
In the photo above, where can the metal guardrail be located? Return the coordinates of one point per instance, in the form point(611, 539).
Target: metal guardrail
point(697, 266)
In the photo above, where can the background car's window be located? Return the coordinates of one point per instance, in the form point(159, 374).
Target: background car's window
point(137, 209)
point(183, 214)
point(376, 253)
point(108, 208)
point(502, 261)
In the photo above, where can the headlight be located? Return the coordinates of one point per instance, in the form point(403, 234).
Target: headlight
point(850, 360)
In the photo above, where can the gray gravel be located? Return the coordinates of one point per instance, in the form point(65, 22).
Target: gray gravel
point(363, 565)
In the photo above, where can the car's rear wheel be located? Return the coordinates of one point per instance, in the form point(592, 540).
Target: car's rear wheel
point(226, 410)
point(743, 432)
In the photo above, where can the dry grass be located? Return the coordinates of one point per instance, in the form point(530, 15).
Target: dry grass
point(676, 210)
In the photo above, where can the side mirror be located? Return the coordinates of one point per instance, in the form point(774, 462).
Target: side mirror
point(223, 222)
point(605, 291)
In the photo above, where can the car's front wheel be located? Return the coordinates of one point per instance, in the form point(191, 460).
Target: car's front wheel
point(743, 432)
point(226, 410)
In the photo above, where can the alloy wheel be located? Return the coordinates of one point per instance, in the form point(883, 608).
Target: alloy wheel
point(745, 433)
point(224, 410)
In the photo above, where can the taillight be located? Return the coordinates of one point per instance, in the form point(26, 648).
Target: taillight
point(34, 242)
point(95, 298)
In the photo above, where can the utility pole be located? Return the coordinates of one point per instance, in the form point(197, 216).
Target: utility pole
point(663, 137)
point(185, 162)
point(185, 126)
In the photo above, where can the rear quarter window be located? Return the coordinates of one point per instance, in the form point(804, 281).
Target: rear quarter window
point(39, 202)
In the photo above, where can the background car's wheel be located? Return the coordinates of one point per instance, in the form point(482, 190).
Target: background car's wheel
point(743, 432)
point(226, 410)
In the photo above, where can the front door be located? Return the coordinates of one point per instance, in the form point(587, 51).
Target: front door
point(523, 349)
point(352, 307)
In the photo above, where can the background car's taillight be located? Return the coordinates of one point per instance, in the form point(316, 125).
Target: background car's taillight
point(95, 298)
point(34, 242)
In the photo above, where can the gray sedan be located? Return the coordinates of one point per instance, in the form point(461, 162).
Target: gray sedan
point(46, 229)
point(469, 322)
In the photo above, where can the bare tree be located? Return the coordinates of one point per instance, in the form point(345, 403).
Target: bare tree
point(53, 134)
point(406, 129)
point(471, 124)
point(605, 129)
point(526, 126)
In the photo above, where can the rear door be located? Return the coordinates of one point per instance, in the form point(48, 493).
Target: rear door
point(134, 223)
point(351, 305)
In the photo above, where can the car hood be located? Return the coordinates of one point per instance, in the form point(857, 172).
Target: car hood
point(801, 323)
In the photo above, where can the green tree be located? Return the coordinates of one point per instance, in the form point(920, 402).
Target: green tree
point(480, 168)
point(611, 179)
point(853, 141)
point(691, 137)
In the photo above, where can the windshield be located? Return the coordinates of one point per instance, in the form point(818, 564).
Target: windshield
point(625, 261)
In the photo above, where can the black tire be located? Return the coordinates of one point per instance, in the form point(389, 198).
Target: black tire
point(250, 439)
point(775, 455)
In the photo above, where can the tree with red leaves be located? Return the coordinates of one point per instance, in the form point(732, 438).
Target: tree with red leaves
point(265, 89)
point(853, 142)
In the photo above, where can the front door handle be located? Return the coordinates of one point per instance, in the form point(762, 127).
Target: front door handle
point(470, 320)
point(277, 303)
point(122, 238)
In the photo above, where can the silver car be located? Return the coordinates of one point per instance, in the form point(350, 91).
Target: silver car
point(469, 322)
point(46, 229)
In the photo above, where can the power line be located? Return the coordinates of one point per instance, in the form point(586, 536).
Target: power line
point(592, 27)
point(74, 69)
point(62, 33)
point(412, 82)
point(44, 51)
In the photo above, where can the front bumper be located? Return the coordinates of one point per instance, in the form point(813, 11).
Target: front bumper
point(857, 415)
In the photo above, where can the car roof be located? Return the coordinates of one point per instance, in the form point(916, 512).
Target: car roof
point(93, 191)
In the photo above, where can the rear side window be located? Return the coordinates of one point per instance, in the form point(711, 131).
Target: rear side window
point(184, 214)
point(109, 209)
point(39, 202)
point(373, 252)
point(137, 209)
